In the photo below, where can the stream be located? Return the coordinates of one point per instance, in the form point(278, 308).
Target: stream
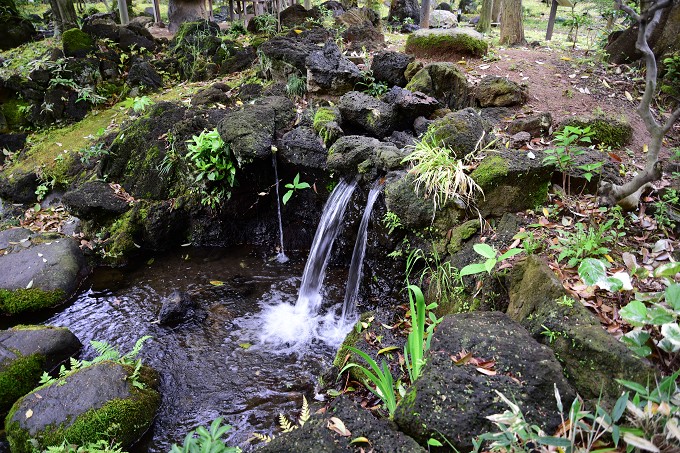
point(215, 364)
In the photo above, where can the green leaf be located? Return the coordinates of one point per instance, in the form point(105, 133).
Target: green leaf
point(671, 332)
point(472, 269)
point(634, 386)
point(673, 296)
point(659, 316)
point(303, 185)
point(591, 271)
point(667, 270)
point(554, 441)
point(510, 253)
point(485, 250)
point(434, 442)
point(287, 196)
point(489, 265)
point(635, 313)
point(296, 180)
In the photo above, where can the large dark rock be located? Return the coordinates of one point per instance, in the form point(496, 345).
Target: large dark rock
point(142, 73)
point(195, 49)
point(296, 15)
point(363, 36)
point(94, 401)
point(76, 43)
point(12, 142)
point(251, 130)
point(357, 16)
point(401, 198)
point(362, 112)
point(46, 270)
point(287, 55)
point(462, 131)
point(444, 82)
point(238, 59)
point(356, 154)
point(409, 106)
point(401, 9)
point(303, 147)
point(329, 72)
point(101, 25)
point(494, 91)
point(452, 401)
point(315, 437)
point(94, 199)
point(19, 186)
point(175, 308)
point(536, 125)
point(389, 67)
point(15, 31)
point(591, 357)
point(25, 353)
point(209, 95)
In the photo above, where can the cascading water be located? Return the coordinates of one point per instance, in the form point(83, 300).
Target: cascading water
point(281, 256)
point(294, 325)
point(354, 277)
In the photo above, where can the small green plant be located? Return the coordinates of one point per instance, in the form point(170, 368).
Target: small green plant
point(296, 86)
point(563, 154)
point(441, 277)
point(417, 342)
point(391, 221)
point(409, 21)
point(666, 204)
point(138, 104)
point(211, 160)
point(586, 242)
point(206, 441)
point(492, 256)
point(266, 24)
point(566, 301)
point(381, 378)
point(41, 191)
point(264, 64)
point(92, 152)
point(671, 77)
point(292, 187)
point(101, 446)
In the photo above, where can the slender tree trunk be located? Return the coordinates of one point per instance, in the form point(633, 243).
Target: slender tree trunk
point(496, 11)
point(425, 14)
point(123, 11)
point(512, 28)
point(484, 24)
point(65, 17)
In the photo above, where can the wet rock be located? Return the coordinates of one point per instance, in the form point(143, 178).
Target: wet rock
point(94, 199)
point(329, 72)
point(443, 19)
point(101, 25)
point(401, 139)
point(296, 15)
point(14, 29)
point(511, 182)
point(444, 82)
point(362, 112)
point(450, 42)
point(519, 139)
point(608, 131)
point(454, 400)
point(162, 224)
point(401, 198)
point(251, 130)
point(143, 74)
point(303, 147)
point(76, 43)
point(401, 9)
point(97, 399)
point(19, 187)
point(462, 131)
point(409, 106)
point(176, 308)
point(315, 437)
point(536, 125)
point(495, 91)
point(287, 55)
point(46, 270)
point(208, 96)
point(421, 125)
point(25, 353)
point(591, 357)
point(354, 154)
point(363, 35)
point(389, 67)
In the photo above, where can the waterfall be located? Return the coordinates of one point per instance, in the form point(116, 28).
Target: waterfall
point(329, 227)
point(281, 256)
point(354, 277)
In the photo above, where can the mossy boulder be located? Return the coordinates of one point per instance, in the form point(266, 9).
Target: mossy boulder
point(362, 113)
point(99, 401)
point(462, 132)
point(444, 82)
point(76, 43)
point(303, 147)
point(15, 113)
point(356, 154)
point(451, 401)
point(14, 29)
point(46, 270)
point(94, 199)
point(315, 437)
point(327, 123)
point(511, 182)
point(536, 125)
point(494, 91)
point(454, 42)
point(25, 353)
point(194, 48)
point(592, 359)
point(608, 131)
point(287, 55)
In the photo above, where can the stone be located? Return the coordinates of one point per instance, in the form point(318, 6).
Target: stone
point(608, 131)
point(362, 112)
point(444, 82)
point(143, 74)
point(296, 15)
point(462, 131)
point(454, 400)
point(401, 139)
point(363, 36)
point(208, 96)
point(357, 16)
point(315, 437)
point(12, 142)
point(409, 106)
point(327, 123)
point(467, 6)
point(443, 7)
point(94, 199)
point(194, 48)
point(80, 407)
point(239, 59)
point(536, 125)
point(28, 351)
point(329, 72)
point(15, 31)
point(101, 25)
point(451, 42)
point(175, 308)
point(591, 357)
point(47, 269)
point(356, 154)
point(511, 182)
point(76, 43)
point(19, 187)
point(287, 55)
point(519, 139)
point(494, 91)
point(135, 37)
point(402, 9)
point(302, 147)
point(389, 67)
point(401, 198)
point(443, 19)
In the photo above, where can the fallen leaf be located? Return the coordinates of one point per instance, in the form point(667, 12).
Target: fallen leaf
point(245, 345)
point(359, 440)
point(335, 424)
point(628, 96)
point(216, 283)
point(29, 413)
point(387, 349)
point(485, 371)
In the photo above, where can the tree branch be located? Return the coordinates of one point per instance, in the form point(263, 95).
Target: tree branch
point(671, 120)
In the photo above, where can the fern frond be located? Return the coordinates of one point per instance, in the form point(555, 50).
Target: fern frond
point(263, 437)
point(285, 424)
point(304, 414)
point(136, 349)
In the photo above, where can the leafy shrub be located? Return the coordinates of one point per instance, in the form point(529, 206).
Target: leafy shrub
point(586, 242)
point(211, 160)
point(203, 441)
point(563, 154)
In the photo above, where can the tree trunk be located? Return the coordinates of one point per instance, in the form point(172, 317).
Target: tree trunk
point(64, 15)
point(512, 28)
point(425, 14)
point(123, 11)
point(496, 11)
point(180, 11)
point(484, 24)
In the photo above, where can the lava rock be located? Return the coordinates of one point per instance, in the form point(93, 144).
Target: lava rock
point(402, 9)
point(389, 67)
point(409, 106)
point(519, 139)
point(76, 43)
point(329, 72)
point(142, 73)
point(303, 147)
point(443, 19)
point(363, 35)
point(94, 199)
point(494, 91)
point(356, 154)
point(296, 15)
point(285, 53)
point(607, 131)
point(101, 25)
point(175, 308)
point(444, 82)
point(536, 125)
point(15, 30)
point(208, 96)
point(363, 112)
point(462, 131)
point(449, 42)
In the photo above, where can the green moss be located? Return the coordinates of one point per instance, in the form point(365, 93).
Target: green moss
point(26, 300)
point(322, 117)
point(14, 111)
point(442, 43)
point(607, 131)
point(490, 171)
point(460, 234)
point(19, 379)
point(76, 42)
point(538, 196)
point(21, 60)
